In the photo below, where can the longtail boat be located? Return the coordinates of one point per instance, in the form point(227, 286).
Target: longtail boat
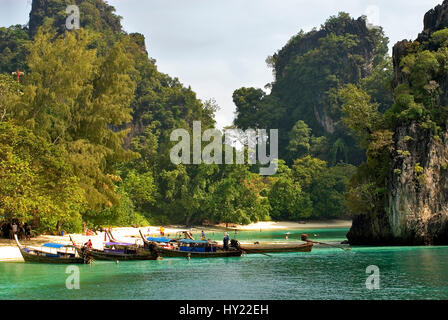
point(188, 248)
point(118, 252)
point(62, 254)
point(260, 247)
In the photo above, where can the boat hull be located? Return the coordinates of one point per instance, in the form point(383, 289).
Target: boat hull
point(164, 252)
point(38, 256)
point(35, 258)
point(218, 254)
point(141, 254)
point(276, 248)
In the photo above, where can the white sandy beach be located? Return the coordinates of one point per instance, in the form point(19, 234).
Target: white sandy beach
point(10, 252)
point(270, 225)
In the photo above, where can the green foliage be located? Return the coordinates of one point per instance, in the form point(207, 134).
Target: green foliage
point(420, 98)
point(10, 93)
point(306, 170)
point(418, 169)
point(299, 140)
point(309, 70)
point(288, 202)
point(310, 190)
point(328, 192)
point(404, 153)
point(13, 41)
point(140, 188)
point(256, 110)
point(440, 38)
point(86, 135)
point(379, 85)
point(96, 15)
point(35, 175)
point(232, 200)
point(359, 114)
point(71, 98)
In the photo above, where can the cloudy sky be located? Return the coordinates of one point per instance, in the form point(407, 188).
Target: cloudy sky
point(217, 46)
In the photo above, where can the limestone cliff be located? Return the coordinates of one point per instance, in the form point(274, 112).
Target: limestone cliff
point(360, 52)
point(416, 208)
point(416, 212)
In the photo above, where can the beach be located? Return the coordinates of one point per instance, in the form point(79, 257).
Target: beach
point(10, 252)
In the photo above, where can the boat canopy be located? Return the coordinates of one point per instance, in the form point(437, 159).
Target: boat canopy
point(54, 245)
point(161, 240)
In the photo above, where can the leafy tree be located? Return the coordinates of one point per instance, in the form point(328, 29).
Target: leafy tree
point(288, 201)
point(328, 191)
point(299, 140)
point(13, 41)
point(140, 189)
point(71, 98)
point(36, 175)
point(305, 170)
point(360, 114)
point(10, 92)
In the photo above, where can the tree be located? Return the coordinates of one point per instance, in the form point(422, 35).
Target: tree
point(299, 140)
point(35, 174)
point(72, 96)
point(328, 191)
point(360, 114)
point(10, 92)
point(233, 200)
point(140, 189)
point(305, 171)
point(13, 41)
point(288, 201)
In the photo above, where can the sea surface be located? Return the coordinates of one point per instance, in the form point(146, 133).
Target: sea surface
point(324, 273)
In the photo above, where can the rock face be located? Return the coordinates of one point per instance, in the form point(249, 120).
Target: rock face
point(303, 44)
point(418, 199)
point(435, 19)
point(416, 212)
point(416, 208)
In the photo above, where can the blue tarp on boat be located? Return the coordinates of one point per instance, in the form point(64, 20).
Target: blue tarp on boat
point(161, 240)
point(54, 245)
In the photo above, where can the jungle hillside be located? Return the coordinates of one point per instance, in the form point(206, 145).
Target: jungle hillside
point(85, 132)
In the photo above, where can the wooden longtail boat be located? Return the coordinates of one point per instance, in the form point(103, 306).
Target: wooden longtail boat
point(260, 247)
point(276, 247)
point(42, 255)
point(188, 248)
point(119, 252)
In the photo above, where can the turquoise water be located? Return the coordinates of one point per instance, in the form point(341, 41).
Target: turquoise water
point(325, 273)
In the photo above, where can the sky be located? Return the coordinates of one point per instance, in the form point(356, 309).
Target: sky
point(218, 46)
